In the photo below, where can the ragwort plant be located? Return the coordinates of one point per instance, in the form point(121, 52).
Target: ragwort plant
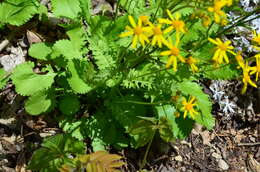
point(136, 72)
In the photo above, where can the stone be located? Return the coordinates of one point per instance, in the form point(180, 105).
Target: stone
point(223, 165)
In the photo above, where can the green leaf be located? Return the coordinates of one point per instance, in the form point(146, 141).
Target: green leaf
point(28, 83)
point(17, 12)
point(69, 104)
point(66, 49)
point(86, 9)
point(4, 77)
point(102, 51)
point(77, 70)
point(133, 6)
point(224, 72)
point(180, 128)
point(73, 128)
point(143, 132)
point(40, 51)
point(101, 129)
point(40, 102)
point(77, 36)
point(66, 8)
point(54, 152)
point(205, 118)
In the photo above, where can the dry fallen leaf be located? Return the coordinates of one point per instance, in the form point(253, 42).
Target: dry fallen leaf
point(253, 165)
point(34, 37)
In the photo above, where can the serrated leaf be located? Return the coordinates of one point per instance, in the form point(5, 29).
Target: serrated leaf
point(40, 51)
point(205, 118)
point(66, 8)
point(66, 49)
point(69, 104)
point(17, 12)
point(86, 9)
point(102, 52)
point(77, 37)
point(77, 71)
point(40, 102)
point(224, 72)
point(27, 82)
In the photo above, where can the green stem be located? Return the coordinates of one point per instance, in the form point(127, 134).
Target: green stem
point(139, 103)
point(240, 21)
point(117, 8)
point(146, 153)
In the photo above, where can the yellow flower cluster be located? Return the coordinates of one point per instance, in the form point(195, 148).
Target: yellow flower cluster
point(144, 29)
point(220, 16)
point(220, 56)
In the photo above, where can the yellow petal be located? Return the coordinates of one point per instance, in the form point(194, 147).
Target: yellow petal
point(134, 42)
point(132, 21)
point(141, 40)
point(174, 64)
point(185, 114)
point(165, 53)
point(166, 21)
point(169, 62)
point(169, 29)
point(213, 41)
point(226, 57)
point(169, 14)
point(126, 34)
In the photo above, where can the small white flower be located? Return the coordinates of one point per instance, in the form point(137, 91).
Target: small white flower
point(217, 93)
point(227, 106)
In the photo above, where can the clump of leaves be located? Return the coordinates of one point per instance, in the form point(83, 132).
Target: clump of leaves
point(130, 92)
point(100, 161)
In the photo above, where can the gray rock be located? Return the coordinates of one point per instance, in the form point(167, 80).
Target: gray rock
point(223, 165)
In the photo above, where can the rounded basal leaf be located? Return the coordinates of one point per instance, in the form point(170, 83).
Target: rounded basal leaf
point(39, 103)
point(40, 51)
point(28, 83)
point(66, 8)
point(17, 12)
point(69, 105)
point(66, 49)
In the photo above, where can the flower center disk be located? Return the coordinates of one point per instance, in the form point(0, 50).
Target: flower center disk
point(138, 30)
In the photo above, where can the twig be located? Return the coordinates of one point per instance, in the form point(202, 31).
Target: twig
point(3, 44)
point(248, 144)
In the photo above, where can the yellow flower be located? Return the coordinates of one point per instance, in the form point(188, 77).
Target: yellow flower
point(188, 107)
point(246, 77)
point(256, 37)
point(192, 61)
point(175, 23)
point(157, 35)
point(240, 59)
point(138, 31)
point(217, 10)
point(145, 19)
point(257, 67)
point(229, 2)
point(174, 54)
point(221, 50)
point(206, 20)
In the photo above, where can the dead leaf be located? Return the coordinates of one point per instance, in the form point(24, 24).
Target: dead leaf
point(253, 165)
point(33, 37)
